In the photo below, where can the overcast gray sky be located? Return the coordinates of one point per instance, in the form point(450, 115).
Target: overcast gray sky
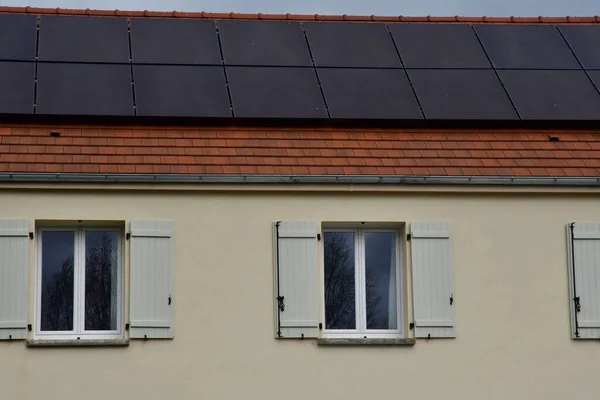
point(357, 7)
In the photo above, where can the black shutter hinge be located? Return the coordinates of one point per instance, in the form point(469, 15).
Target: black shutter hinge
point(127, 326)
point(29, 327)
point(320, 326)
point(451, 299)
point(411, 326)
point(577, 304)
point(408, 237)
point(280, 303)
point(127, 235)
point(169, 299)
point(318, 236)
point(31, 235)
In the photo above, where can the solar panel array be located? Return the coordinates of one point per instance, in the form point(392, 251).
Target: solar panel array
point(91, 66)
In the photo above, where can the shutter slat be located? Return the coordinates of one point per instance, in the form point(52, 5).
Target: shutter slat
point(298, 279)
point(14, 278)
point(584, 279)
point(433, 281)
point(435, 323)
point(151, 280)
point(151, 324)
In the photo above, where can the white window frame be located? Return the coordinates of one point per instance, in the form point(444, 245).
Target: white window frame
point(79, 331)
point(361, 330)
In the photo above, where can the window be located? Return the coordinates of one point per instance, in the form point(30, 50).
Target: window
point(362, 281)
point(356, 290)
point(79, 283)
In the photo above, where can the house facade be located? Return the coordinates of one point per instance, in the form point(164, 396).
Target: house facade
point(180, 260)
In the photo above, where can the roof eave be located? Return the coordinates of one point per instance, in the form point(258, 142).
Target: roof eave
point(299, 179)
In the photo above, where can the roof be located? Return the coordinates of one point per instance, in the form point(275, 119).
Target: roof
point(329, 152)
point(299, 17)
point(138, 66)
point(288, 151)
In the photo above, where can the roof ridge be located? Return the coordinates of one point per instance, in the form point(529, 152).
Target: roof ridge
point(302, 17)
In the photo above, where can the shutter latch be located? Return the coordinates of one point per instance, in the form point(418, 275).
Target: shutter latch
point(169, 299)
point(280, 303)
point(451, 299)
point(577, 304)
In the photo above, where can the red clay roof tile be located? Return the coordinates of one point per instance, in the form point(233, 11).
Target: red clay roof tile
point(308, 151)
point(299, 17)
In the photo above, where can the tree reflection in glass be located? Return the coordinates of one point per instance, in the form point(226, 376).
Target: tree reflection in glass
point(380, 276)
point(340, 286)
point(376, 288)
point(101, 281)
point(58, 249)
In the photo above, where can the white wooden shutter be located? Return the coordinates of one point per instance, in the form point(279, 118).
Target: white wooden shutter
point(14, 278)
point(584, 279)
point(151, 280)
point(433, 281)
point(297, 280)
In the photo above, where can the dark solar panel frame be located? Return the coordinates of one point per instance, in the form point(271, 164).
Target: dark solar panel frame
point(354, 93)
point(174, 41)
point(351, 45)
point(275, 92)
point(18, 37)
point(584, 41)
point(83, 39)
point(181, 91)
point(17, 82)
point(264, 43)
point(526, 47)
point(439, 46)
point(552, 95)
point(449, 94)
point(84, 89)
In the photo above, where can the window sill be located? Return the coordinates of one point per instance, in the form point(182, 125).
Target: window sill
point(77, 343)
point(365, 342)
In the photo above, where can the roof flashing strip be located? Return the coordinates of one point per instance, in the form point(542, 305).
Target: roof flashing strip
point(299, 179)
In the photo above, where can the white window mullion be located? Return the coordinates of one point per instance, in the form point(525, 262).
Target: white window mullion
point(358, 281)
point(360, 293)
point(79, 282)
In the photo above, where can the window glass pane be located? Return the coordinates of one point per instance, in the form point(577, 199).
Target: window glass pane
point(58, 251)
point(340, 305)
point(101, 285)
point(380, 280)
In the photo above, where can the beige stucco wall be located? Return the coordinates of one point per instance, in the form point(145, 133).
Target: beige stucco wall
point(512, 308)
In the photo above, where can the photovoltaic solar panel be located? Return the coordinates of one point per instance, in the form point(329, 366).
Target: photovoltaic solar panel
point(584, 40)
point(461, 94)
point(84, 89)
point(174, 41)
point(181, 91)
point(79, 39)
point(439, 46)
point(368, 93)
point(263, 43)
point(595, 77)
point(18, 36)
point(17, 83)
point(272, 92)
point(552, 95)
point(335, 44)
point(526, 47)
